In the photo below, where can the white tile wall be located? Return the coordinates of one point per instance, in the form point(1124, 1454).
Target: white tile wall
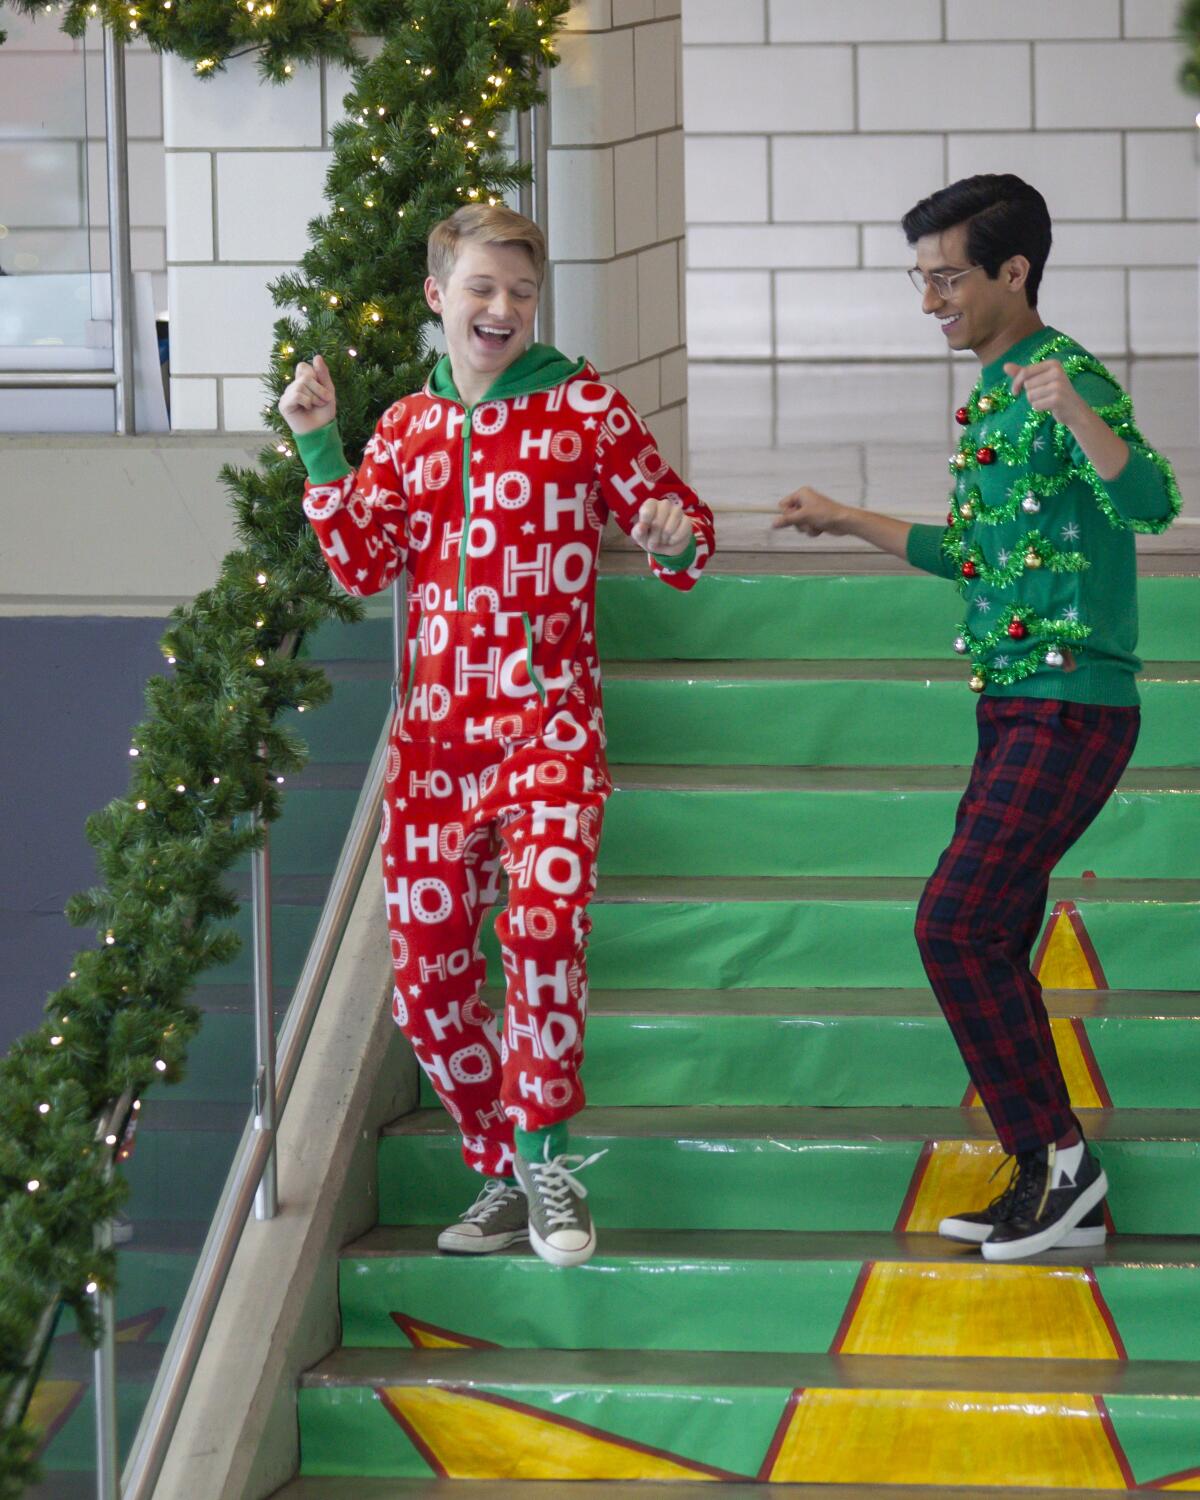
point(43, 183)
point(264, 202)
point(193, 405)
point(794, 247)
point(983, 86)
point(745, 89)
point(655, 59)
point(593, 89)
point(851, 177)
point(848, 403)
point(636, 193)
point(1104, 84)
point(727, 179)
point(221, 318)
point(730, 406)
point(595, 311)
point(242, 403)
point(582, 206)
point(855, 21)
point(967, 20)
point(233, 111)
point(658, 300)
point(189, 205)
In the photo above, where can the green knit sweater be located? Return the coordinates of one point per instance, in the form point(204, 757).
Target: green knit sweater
point(1041, 546)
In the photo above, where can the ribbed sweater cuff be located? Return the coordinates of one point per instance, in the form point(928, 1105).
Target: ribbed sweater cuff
point(322, 455)
point(924, 549)
point(681, 561)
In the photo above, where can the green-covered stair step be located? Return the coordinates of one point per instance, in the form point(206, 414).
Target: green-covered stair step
point(72, 1444)
point(829, 820)
point(717, 1415)
point(769, 1291)
point(701, 933)
point(789, 616)
point(795, 1169)
point(742, 712)
point(858, 1047)
point(338, 1487)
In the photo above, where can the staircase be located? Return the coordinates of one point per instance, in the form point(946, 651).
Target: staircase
point(785, 1116)
point(783, 1110)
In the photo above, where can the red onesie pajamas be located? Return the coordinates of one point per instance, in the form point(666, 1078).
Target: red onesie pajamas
point(497, 744)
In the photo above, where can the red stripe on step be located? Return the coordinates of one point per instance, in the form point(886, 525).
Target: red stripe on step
point(1079, 1027)
point(1103, 1309)
point(413, 1435)
point(1114, 1443)
point(856, 1296)
point(781, 1432)
point(1161, 1484)
point(914, 1187)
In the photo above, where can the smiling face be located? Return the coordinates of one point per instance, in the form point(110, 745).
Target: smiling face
point(487, 306)
point(977, 312)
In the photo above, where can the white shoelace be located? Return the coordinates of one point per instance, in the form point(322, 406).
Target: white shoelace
point(556, 1183)
point(492, 1197)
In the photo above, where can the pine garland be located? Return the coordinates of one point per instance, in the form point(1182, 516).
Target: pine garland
point(1188, 27)
point(421, 138)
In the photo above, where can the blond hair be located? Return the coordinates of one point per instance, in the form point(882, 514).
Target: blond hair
point(484, 224)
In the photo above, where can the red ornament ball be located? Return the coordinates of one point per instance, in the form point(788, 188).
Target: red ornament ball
point(963, 417)
point(949, 518)
point(1017, 630)
point(986, 455)
point(969, 569)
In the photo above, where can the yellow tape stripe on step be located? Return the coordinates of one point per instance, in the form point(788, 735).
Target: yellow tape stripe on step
point(963, 1438)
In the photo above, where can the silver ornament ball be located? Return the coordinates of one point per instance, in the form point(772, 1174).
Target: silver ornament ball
point(960, 644)
point(1031, 505)
point(1054, 658)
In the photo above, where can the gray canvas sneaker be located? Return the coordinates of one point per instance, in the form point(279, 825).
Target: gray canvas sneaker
point(560, 1223)
point(499, 1217)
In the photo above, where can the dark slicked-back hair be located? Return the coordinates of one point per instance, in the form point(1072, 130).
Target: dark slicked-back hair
point(1003, 216)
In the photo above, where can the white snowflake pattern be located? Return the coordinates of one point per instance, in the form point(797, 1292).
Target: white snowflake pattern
point(1070, 532)
point(1071, 614)
point(984, 606)
point(1000, 661)
point(1040, 441)
point(1003, 556)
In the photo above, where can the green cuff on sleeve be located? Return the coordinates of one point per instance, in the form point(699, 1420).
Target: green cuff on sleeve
point(681, 561)
point(924, 550)
point(322, 455)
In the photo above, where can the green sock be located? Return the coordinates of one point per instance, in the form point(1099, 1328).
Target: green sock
point(531, 1144)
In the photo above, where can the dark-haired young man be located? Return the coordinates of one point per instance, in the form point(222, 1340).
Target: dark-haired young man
point(1050, 480)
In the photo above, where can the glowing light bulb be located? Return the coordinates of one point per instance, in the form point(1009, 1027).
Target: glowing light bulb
point(140, 804)
point(159, 1065)
point(43, 1109)
point(33, 1184)
point(134, 751)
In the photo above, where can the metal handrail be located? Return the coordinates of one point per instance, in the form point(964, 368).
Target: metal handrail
point(161, 1415)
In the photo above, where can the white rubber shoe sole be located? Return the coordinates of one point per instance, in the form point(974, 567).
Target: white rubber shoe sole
point(1055, 1236)
point(556, 1257)
point(965, 1232)
point(458, 1241)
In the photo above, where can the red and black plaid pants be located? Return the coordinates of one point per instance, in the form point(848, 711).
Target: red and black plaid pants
point(1043, 771)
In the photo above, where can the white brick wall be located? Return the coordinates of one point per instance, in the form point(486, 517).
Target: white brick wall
point(811, 128)
point(54, 207)
point(616, 178)
point(246, 167)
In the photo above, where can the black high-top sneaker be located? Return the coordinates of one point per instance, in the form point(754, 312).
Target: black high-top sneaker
point(1056, 1188)
point(973, 1228)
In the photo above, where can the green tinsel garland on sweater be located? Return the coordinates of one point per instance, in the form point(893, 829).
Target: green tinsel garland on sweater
point(211, 744)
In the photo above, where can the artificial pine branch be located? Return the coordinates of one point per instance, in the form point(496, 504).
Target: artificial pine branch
point(422, 136)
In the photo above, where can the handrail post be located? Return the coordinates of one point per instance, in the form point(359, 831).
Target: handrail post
point(104, 1376)
point(266, 1198)
point(120, 267)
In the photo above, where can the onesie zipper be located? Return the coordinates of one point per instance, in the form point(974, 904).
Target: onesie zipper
point(533, 676)
point(468, 417)
point(412, 671)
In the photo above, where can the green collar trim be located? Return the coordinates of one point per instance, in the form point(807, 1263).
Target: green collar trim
point(540, 368)
point(1023, 352)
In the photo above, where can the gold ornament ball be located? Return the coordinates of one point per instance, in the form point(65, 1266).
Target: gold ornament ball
point(959, 460)
point(1032, 560)
point(967, 511)
point(984, 403)
point(977, 683)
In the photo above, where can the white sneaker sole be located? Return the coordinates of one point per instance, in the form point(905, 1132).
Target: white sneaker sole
point(1054, 1236)
point(451, 1242)
point(556, 1257)
point(963, 1233)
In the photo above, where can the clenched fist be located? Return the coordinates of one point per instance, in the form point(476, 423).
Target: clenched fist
point(811, 512)
point(310, 401)
point(1048, 387)
point(662, 526)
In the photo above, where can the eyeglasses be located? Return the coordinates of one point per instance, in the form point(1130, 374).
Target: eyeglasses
point(942, 284)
